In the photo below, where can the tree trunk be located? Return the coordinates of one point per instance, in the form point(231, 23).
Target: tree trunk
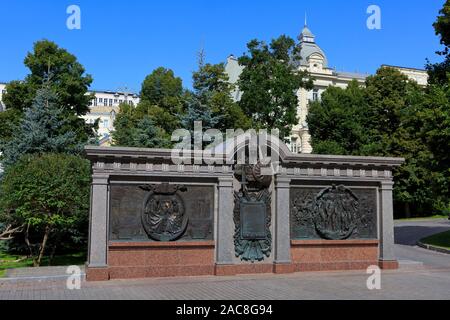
point(27, 241)
point(42, 249)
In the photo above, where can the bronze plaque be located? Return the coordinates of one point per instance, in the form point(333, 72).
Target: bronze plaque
point(253, 220)
point(136, 215)
point(333, 213)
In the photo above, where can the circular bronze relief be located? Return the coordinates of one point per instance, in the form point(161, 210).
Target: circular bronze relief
point(164, 217)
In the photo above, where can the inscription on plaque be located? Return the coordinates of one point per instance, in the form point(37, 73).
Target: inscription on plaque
point(253, 219)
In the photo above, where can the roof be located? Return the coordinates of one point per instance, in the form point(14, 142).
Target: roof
point(403, 68)
point(308, 48)
point(104, 110)
point(352, 75)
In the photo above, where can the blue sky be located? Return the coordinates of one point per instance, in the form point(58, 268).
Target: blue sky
point(120, 42)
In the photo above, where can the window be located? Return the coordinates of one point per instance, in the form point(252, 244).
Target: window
point(120, 101)
point(105, 102)
point(100, 100)
point(95, 102)
point(115, 100)
point(105, 123)
point(110, 102)
point(315, 95)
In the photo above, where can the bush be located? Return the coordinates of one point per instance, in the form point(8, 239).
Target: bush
point(49, 195)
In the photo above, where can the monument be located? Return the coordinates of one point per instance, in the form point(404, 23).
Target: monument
point(153, 218)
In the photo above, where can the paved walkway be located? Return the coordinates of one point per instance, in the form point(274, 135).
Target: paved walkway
point(408, 233)
point(428, 280)
point(406, 284)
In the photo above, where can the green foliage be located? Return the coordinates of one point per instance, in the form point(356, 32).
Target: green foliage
point(67, 79)
point(439, 72)
point(335, 122)
point(442, 25)
point(9, 121)
point(391, 116)
point(270, 84)
point(44, 129)
point(132, 129)
point(441, 240)
point(162, 97)
point(162, 88)
point(47, 193)
point(212, 88)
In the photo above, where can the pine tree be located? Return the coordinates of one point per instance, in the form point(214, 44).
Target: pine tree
point(42, 130)
point(147, 135)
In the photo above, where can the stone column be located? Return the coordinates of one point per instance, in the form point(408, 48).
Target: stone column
point(225, 222)
point(98, 230)
point(282, 230)
point(387, 255)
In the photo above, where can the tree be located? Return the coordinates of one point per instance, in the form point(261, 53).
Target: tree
point(442, 26)
point(48, 194)
point(199, 112)
point(336, 121)
point(212, 88)
point(162, 97)
point(135, 130)
point(270, 84)
point(434, 117)
point(42, 130)
point(438, 72)
point(380, 119)
point(67, 80)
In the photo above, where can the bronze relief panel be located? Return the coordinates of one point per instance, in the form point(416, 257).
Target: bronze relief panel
point(333, 213)
point(161, 212)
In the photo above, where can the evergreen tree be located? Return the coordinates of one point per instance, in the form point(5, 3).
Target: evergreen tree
point(42, 130)
point(68, 81)
point(140, 131)
point(212, 88)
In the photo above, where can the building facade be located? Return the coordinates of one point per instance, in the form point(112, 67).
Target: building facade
point(2, 92)
point(314, 60)
point(103, 108)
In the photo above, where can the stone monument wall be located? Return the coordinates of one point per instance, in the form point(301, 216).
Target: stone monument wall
point(152, 218)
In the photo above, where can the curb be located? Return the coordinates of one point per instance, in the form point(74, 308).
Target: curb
point(433, 248)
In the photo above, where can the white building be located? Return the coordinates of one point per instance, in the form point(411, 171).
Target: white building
point(314, 60)
point(104, 107)
point(2, 92)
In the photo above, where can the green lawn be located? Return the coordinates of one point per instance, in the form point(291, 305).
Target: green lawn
point(424, 218)
point(441, 240)
point(8, 261)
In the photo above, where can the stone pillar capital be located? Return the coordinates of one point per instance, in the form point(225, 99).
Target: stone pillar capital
point(100, 180)
point(387, 185)
point(282, 182)
point(226, 182)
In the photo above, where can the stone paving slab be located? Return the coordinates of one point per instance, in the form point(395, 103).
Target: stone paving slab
point(21, 273)
point(404, 284)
